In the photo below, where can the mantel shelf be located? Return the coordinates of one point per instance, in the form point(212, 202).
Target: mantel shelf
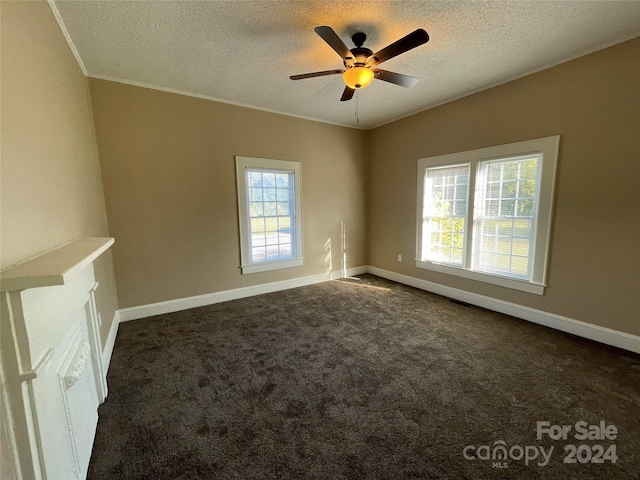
point(56, 267)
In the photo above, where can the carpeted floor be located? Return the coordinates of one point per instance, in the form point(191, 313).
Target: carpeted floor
point(360, 378)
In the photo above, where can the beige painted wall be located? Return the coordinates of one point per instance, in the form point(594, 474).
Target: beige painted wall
point(50, 186)
point(169, 180)
point(168, 170)
point(593, 103)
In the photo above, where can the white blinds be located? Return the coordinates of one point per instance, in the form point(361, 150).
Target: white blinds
point(444, 213)
point(505, 211)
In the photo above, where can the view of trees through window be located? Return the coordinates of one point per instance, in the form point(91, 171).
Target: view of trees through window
point(486, 214)
point(271, 214)
point(504, 215)
point(445, 211)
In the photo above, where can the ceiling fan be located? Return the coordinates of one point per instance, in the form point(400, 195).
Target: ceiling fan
point(358, 61)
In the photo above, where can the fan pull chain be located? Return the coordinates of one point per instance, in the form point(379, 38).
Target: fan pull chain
point(357, 96)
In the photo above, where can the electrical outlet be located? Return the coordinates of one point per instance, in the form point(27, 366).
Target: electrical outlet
point(399, 257)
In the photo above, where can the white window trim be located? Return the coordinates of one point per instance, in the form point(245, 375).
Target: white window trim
point(242, 163)
point(548, 147)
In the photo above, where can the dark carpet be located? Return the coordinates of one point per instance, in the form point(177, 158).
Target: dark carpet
point(361, 378)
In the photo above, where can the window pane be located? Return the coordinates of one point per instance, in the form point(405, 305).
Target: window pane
point(269, 208)
point(444, 214)
point(284, 223)
point(256, 209)
point(525, 208)
point(282, 180)
point(523, 228)
point(269, 194)
point(269, 179)
point(494, 173)
point(283, 208)
point(504, 208)
point(258, 254)
point(258, 240)
point(510, 171)
point(284, 237)
point(509, 189)
point(282, 194)
point(255, 179)
point(492, 208)
point(507, 208)
point(255, 194)
point(271, 224)
point(521, 247)
point(257, 226)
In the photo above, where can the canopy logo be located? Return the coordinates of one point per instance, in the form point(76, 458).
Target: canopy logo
point(500, 454)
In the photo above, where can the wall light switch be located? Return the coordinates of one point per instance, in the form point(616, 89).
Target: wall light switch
point(399, 258)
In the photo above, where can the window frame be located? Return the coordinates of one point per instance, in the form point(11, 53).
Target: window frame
point(547, 148)
point(242, 164)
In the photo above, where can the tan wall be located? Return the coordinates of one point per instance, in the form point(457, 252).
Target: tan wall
point(169, 179)
point(50, 184)
point(593, 103)
point(168, 170)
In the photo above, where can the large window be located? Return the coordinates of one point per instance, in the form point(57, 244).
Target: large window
point(486, 214)
point(270, 213)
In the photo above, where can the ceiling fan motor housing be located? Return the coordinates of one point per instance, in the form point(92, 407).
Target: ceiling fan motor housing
point(359, 57)
point(357, 75)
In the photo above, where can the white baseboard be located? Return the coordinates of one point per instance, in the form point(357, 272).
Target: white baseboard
point(600, 334)
point(107, 351)
point(143, 311)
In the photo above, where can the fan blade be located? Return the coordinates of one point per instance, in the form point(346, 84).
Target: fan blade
point(347, 94)
point(315, 74)
point(329, 36)
point(413, 40)
point(396, 78)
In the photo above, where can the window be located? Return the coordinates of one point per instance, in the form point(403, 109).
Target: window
point(486, 214)
point(447, 188)
point(270, 213)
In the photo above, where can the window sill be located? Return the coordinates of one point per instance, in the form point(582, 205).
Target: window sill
point(266, 266)
point(522, 285)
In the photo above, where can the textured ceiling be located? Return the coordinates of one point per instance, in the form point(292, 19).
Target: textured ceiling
point(243, 52)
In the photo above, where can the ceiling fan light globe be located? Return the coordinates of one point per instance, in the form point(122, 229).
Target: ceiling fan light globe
point(358, 77)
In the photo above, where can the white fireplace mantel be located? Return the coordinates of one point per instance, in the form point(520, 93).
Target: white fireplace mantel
point(51, 372)
point(56, 267)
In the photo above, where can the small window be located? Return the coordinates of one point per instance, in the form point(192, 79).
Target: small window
point(270, 213)
point(486, 214)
